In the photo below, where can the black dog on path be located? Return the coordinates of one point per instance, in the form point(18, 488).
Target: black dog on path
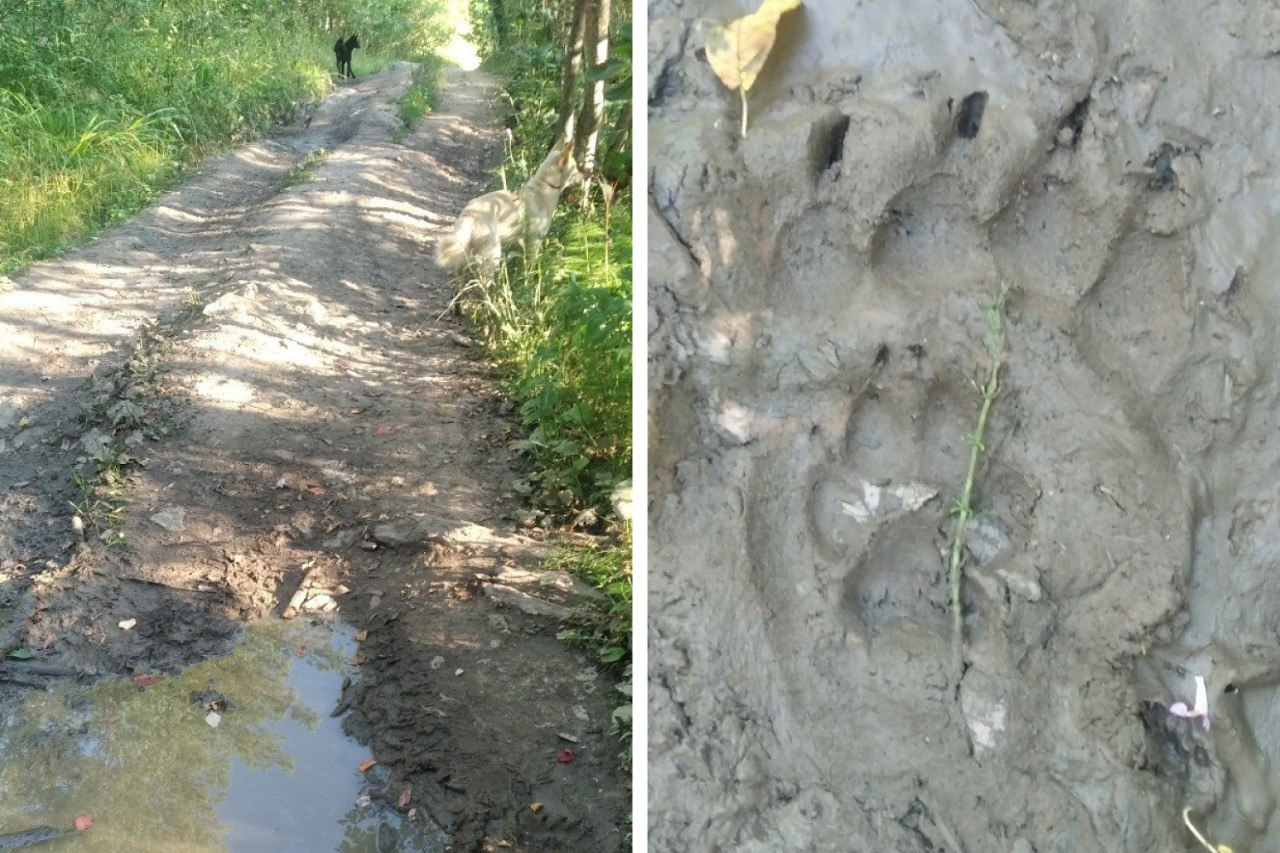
point(342, 50)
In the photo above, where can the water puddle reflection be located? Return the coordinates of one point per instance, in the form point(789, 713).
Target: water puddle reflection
point(276, 773)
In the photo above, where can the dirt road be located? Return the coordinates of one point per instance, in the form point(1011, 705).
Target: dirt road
point(334, 433)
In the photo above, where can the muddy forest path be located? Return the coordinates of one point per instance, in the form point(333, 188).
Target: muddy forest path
point(334, 434)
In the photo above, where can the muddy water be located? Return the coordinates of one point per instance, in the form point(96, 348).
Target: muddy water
point(277, 773)
point(816, 325)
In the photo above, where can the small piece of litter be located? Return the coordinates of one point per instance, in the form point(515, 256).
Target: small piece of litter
point(1201, 708)
point(364, 800)
point(564, 756)
point(535, 807)
point(569, 738)
point(171, 518)
point(404, 798)
point(213, 718)
point(143, 679)
point(457, 672)
point(127, 624)
point(366, 764)
point(84, 820)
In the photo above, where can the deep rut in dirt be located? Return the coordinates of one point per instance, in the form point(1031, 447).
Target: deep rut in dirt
point(336, 435)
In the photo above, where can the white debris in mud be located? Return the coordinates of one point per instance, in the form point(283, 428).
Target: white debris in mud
point(1022, 585)
point(171, 518)
point(986, 541)
point(213, 718)
point(985, 714)
point(733, 422)
point(906, 498)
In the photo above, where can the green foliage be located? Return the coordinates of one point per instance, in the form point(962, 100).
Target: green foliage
point(304, 172)
point(103, 104)
point(530, 56)
point(560, 323)
point(421, 97)
point(605, 626)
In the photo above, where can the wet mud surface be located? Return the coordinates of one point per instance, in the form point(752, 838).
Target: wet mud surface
point(817, 298)
point(341, 449)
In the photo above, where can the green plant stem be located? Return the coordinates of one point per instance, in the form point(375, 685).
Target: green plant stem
point(964, 505)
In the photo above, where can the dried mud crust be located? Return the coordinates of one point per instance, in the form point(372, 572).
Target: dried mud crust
point(817, 295)
point(336, 435)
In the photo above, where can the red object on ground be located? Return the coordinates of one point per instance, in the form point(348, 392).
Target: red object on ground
point(566, 755)
point(84, 820)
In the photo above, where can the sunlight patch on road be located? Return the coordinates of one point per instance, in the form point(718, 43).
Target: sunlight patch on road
point(460, 51)
point(220, 389)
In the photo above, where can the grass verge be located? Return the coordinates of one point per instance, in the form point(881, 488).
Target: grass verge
point(104, 104)
point(604, 626)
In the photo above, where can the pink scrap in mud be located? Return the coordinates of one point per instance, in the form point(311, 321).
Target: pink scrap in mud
point(1201, 708)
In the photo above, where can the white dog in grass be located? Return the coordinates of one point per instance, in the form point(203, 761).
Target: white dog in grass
point(497, 219)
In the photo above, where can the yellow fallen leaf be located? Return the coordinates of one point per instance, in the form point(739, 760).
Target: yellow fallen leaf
point(738, 50)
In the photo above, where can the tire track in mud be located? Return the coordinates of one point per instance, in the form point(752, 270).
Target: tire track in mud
point(336, 432)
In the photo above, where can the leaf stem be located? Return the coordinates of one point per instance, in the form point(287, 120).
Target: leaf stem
point(743, 94)
point(964, 505)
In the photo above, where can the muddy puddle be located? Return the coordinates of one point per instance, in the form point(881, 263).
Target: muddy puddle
point(148, 764)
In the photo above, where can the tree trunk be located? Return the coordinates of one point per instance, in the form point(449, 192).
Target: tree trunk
point(498, 7)
point(595, 57)
point(620, 139)
point(572, 70)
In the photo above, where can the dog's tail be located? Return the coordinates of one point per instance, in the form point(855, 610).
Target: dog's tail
point(451, 249)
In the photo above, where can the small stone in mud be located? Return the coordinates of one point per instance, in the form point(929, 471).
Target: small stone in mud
point(969, 116)
point(171, 518)
point(1161, 163)
point(986, 541)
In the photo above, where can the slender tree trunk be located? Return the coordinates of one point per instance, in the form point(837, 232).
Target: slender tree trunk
point(619, 142)
point(572, 70)
point(499, 9)
point(595, 58)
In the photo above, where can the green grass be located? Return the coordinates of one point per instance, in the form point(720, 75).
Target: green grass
point(104, 104)
point(304, 172)
point(422, 95)
point(604, 627)
point(963, 509)
point(559, 327)
point(559, 324)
